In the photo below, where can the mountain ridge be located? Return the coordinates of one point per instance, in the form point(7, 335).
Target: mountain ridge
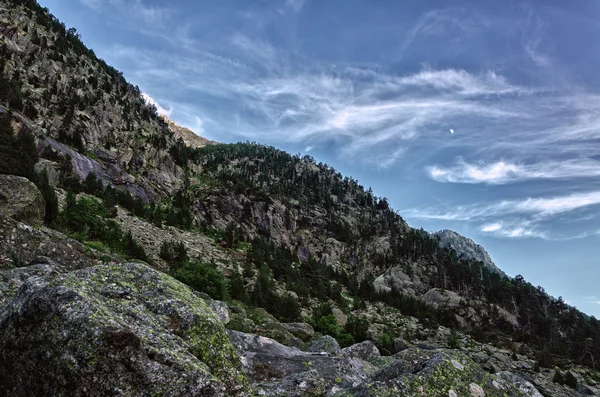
point(279, 237)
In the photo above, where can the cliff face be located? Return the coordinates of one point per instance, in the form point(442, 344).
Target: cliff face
point(68, 97)
point(190, 138)
point(466, 247)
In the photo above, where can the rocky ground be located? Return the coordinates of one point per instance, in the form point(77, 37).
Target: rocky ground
point(75, 323)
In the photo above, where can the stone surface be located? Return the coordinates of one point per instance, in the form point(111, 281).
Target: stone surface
point(400, 344)
point(21, 200)
point(363, 350)
point(326, 344)
point(278, 370)
point(340, 316)
point(221, 310)
point(466, 248)
point(23, 243)
point(110, 328)
point(301, 330)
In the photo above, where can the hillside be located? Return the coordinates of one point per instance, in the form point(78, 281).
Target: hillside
point(169, 264)
point(466, 247)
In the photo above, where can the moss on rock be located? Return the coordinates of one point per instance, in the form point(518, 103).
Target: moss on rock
point(110, 328)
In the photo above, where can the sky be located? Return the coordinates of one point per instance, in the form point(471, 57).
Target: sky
point(478, 116)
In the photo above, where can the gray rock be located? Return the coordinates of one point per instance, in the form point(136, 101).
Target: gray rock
point(399, 345)
point(363, 350)
point(221, 310)
point(508, 380)
point(467, 248)
point(301, 330)
point(340, 316)
point(442, 373)
point(124, 329)
point(21, 200)
point(326, 344)
point(278, 370)
point(27, 243)
point(442, 299)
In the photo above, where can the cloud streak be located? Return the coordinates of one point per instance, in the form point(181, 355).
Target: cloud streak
point(503, 172)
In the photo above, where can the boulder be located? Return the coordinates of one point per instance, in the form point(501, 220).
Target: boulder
point(363, 350)
point(114, 330)
point(340, 316)
point(13, 278)
point(221, 310)
point(300, 330)
point(417, 372)
point(442, 299)
point(277, 370)
point(20, 244)
point(21, 200)
point(508, 380)
point(326, 344)
point(399, 345)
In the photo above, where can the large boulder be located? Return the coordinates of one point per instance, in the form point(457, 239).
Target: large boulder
point(21, 200)
point(363, 350)
point(303, 331)
point(326, 345)
point(278, 370)
point(114, 330)
point(417, 372)
point(442, 299)
point(20, 244)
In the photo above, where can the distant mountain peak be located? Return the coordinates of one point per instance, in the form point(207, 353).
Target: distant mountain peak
point(190, 138)
point(467, 248)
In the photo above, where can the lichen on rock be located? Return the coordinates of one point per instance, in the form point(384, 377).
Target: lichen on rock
point(115, 329)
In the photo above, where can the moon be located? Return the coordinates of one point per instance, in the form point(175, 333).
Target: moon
point(451, 131)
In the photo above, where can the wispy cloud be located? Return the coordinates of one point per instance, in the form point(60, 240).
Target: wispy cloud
point(516, 229)
point(519, 218)
point(502, 172)
point(295, 5)
point(537, 207)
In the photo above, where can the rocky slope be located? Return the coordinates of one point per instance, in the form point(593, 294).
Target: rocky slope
point(291, 235)
point(466, 247)
point(189, 137)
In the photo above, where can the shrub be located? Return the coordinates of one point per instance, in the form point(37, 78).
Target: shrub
point(358, 327)
point(385, 343)
point(203, 277)
point(174, 253)
point(453, 340)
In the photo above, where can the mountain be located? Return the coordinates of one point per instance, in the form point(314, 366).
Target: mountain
point(466, 247)
point(135, 256)
point(190, 138)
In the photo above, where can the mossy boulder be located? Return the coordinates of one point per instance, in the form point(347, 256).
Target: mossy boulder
point(326, 344)
point(440, 373)
point(21, 200)
point(114, 330)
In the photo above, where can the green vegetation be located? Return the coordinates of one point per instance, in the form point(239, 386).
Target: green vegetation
point(19, 156)
point(85, 219)
point(203, 277)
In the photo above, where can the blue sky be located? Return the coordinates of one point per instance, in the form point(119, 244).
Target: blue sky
point(375, 88)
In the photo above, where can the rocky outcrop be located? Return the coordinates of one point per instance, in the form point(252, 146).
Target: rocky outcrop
point(277, 370)
point(189, 137)
point(467, 248)
point(20, 244)
point(443, 299)
point(124, 329)
point(21, 200)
